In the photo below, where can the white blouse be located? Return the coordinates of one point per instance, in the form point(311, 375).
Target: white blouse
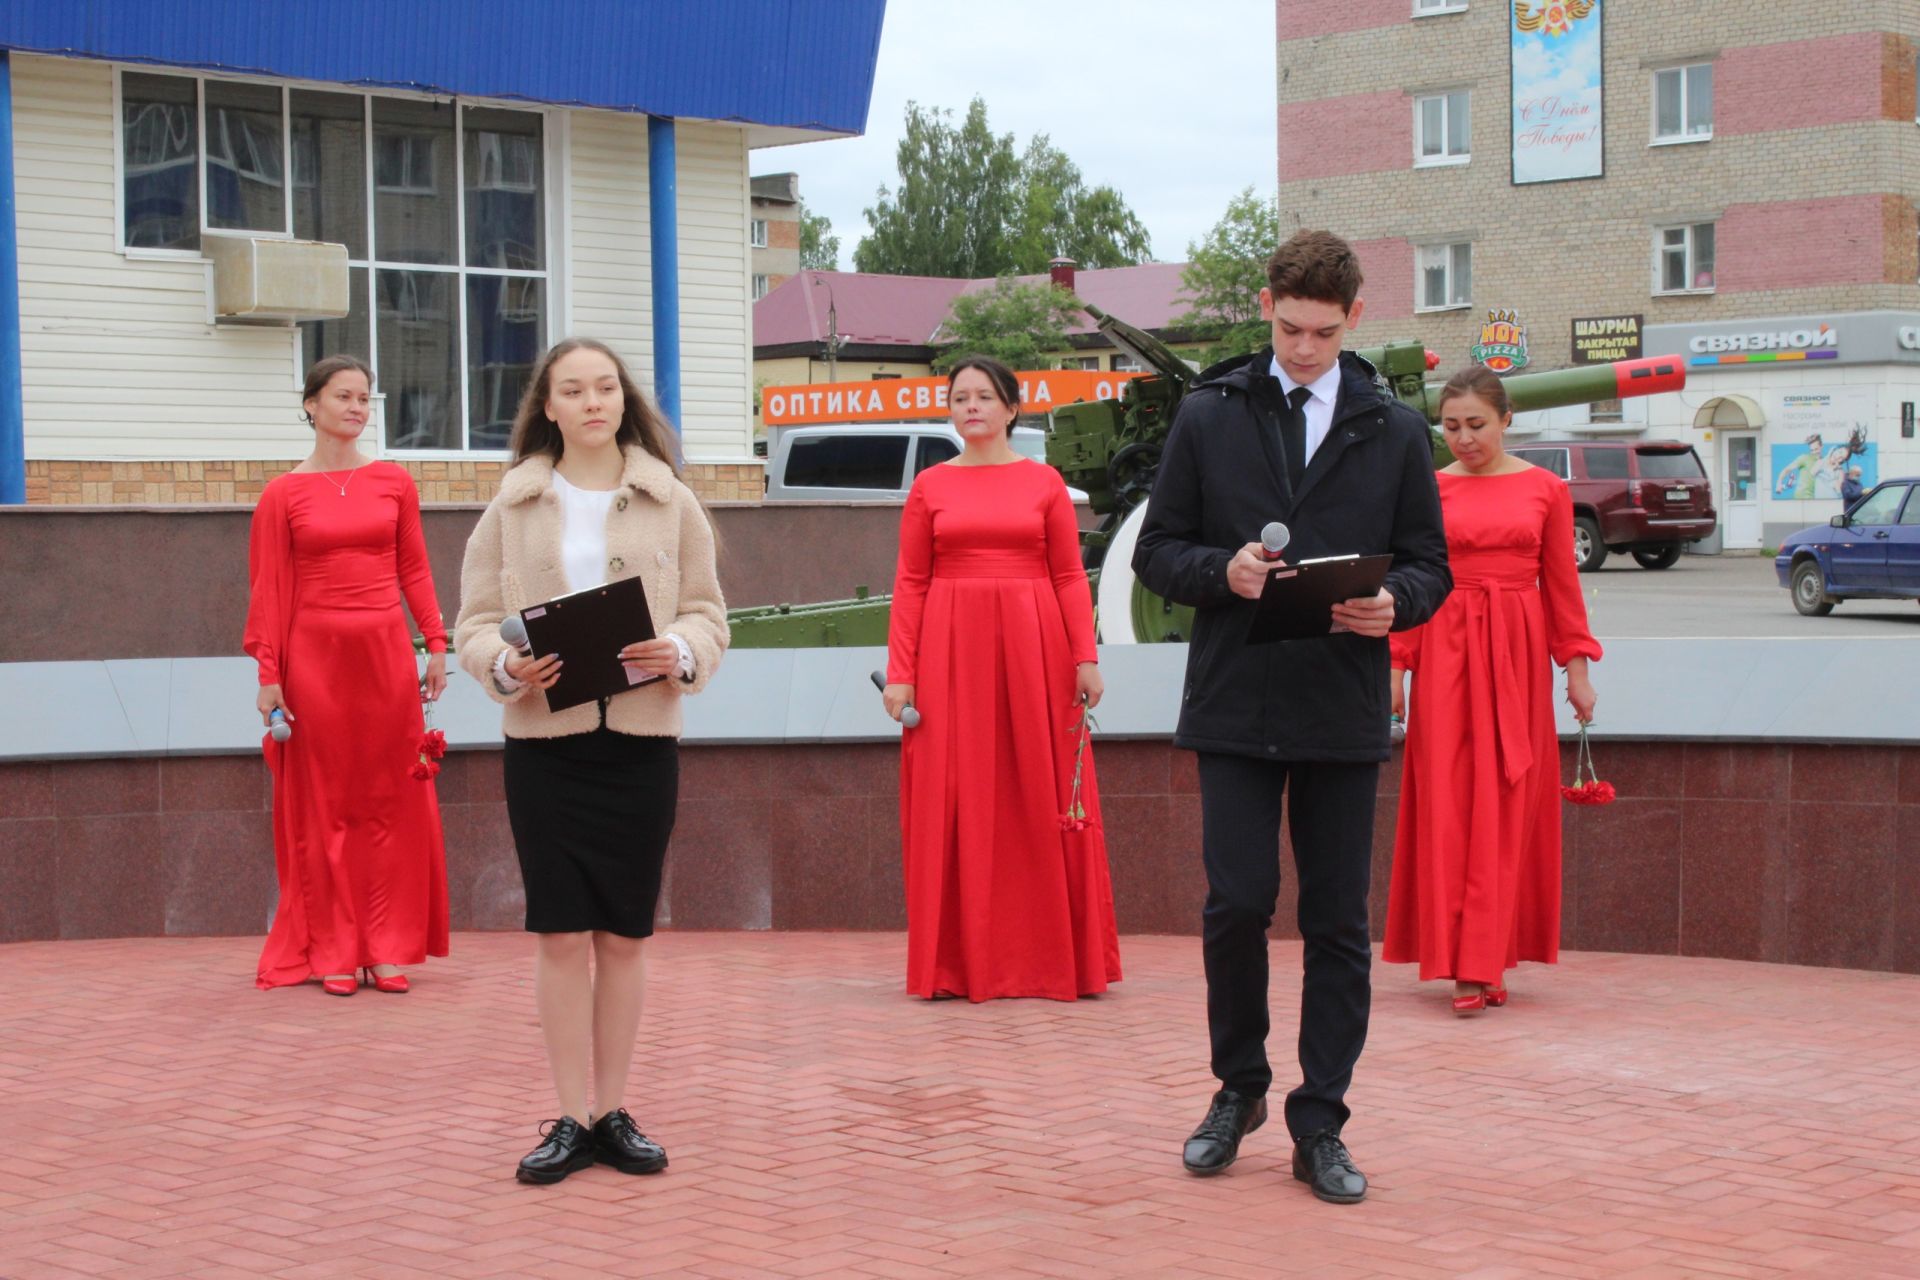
point(583, 537)
point(583, 559)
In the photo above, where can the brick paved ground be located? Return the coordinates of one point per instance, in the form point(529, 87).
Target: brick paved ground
point(1624, 1117)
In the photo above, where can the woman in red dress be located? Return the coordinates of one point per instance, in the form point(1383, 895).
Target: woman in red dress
point(991, 640)
point(1476, 861)
point(335, 543)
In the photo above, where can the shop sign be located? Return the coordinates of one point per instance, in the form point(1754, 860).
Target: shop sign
point(1764, 346)
point(1503, 342)
point(893, 399)
point(1605, 339)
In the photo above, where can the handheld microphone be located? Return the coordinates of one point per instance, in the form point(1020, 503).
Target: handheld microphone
point(514, 632)
point(908, 716)
point(278, 727)
point(1274, 539)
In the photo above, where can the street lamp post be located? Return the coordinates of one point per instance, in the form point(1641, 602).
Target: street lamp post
point(833, 332)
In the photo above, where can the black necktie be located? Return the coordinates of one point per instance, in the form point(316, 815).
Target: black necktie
point(1293, 433)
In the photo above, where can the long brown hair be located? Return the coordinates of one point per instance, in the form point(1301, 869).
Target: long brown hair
point(640, 423)
point(323, 371)
point(1478, 380)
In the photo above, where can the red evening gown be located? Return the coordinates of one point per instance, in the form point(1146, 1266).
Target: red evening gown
point(1476, 859)
point(991, 612)
point(356, 836)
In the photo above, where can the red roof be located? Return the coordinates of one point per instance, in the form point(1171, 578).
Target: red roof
point(877, 310)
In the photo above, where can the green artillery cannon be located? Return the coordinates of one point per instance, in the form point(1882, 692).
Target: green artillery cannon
point(1111, 449)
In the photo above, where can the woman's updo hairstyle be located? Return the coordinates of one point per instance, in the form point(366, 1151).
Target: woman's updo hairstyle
point(1005, 385)
point(322, 373)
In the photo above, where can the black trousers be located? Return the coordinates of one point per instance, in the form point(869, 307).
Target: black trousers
point(1330, 817)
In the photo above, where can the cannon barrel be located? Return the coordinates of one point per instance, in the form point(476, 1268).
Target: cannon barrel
point(1406, 366)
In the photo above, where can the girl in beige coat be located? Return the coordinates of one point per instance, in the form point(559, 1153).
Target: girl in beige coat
point(594, 496)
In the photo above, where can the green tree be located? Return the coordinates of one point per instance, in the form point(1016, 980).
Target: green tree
point(1225, 272)
point(968, 205)
point(819, 248)
point(1015, 323)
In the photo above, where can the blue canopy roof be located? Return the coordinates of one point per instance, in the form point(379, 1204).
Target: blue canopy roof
point(802, 64)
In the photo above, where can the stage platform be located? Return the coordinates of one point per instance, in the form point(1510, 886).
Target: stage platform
point(1625, 1116)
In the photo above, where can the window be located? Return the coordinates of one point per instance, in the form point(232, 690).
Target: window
point(1912, 513)
point(934, 450)
point(1081, 362)
point(1669, 464)
point(758, 236)
point(847, 462)
point(1554, 460)
point(1425, 8)
point(1441, 129)
point(1683, 103)
point(760, 288)
point(1683, 259)
point(1124, 363)
point(1446, 276)
point(1880, 506)
point(1605, 464)
point(442, 208)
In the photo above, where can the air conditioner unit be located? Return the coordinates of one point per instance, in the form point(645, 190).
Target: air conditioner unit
point(258, 278)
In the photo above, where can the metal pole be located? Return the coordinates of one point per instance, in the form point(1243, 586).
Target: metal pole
point(13, 433)
point(833, 340)
point(662, 204)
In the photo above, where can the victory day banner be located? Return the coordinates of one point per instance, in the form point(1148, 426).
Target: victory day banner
point(1556, 62)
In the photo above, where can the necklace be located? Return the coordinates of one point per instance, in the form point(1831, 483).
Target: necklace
point(351, 473)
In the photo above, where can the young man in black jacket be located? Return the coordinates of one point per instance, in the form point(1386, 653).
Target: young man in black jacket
point(1308, 435)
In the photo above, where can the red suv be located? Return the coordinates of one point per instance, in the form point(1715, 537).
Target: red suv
point(1649, 497)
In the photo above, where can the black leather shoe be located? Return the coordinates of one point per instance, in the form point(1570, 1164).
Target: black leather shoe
point(1215, 1144)
point(1321, 1161)
point(564, 1148)
point(618, 1141)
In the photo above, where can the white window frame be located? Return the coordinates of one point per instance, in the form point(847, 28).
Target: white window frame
point(1421, 253)
point(1683, 138)
point(1434, 8)
point(757, 232)
point(555, 148)
point(1660, 248)
point(761, 287)
point(1445, 98)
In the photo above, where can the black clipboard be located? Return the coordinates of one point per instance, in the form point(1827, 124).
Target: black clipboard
point(1297, 602)
point(588, 629)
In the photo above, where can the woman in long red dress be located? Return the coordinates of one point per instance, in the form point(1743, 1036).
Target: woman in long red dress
point(1476, 861)
point(991, 640)
point(356, 835)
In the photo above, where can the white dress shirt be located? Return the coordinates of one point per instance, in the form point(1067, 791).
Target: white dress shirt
point(1319, 410)
point(583, 560)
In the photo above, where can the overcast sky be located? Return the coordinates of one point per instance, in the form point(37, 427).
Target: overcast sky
point(1170, 103)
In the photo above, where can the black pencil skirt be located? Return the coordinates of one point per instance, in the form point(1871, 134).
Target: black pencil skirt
point(591, 816)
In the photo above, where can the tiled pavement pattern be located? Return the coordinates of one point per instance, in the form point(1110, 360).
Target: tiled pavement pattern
point(1625, 1116)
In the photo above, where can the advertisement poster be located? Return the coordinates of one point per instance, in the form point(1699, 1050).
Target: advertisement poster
point(1816, 438)
point(1556, 67)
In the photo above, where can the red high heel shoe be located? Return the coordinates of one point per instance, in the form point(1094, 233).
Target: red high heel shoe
point(1496, 996)
point(340, 986)
point(393, 984)
point(1468, 1005)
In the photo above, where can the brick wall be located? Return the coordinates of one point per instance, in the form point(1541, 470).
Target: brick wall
point(1364, 133)
point(1804, 244)
point(1300, 19)
point(68, 482)
point(1798, 84)
point(1388, 267)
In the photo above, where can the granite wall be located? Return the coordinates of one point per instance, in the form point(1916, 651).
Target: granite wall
point(1797, 854)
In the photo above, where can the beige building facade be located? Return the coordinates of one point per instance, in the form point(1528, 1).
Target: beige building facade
point(1757, 165)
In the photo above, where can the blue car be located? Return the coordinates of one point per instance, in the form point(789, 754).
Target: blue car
point(1870, 553)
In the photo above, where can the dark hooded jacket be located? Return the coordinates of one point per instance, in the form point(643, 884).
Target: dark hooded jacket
point(1368, 489)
